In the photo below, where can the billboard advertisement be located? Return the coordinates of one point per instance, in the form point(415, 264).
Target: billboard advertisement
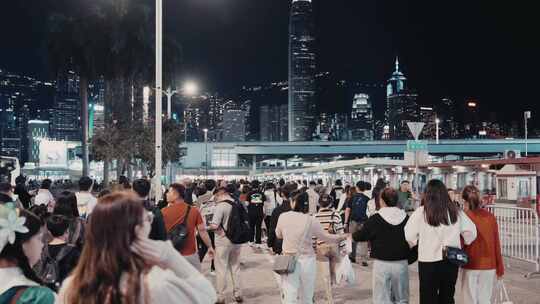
point(53, 153)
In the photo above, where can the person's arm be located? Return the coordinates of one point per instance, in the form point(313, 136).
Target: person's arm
point(318, 232)
point(347, 215)
point(412, 228)
point(499, 262)
point(201, 228)
point(467, 228)
point(278, 231)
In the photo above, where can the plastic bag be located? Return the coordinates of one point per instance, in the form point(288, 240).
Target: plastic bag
point(345, 273)
point(501, 295)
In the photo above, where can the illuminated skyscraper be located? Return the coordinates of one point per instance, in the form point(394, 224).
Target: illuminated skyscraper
point(361, 118)
point(302, 70)
point(401, 106)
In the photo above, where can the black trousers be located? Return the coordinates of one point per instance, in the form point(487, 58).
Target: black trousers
point(202, 249)
point(267, 220)
point(437, 282)
point(255, 223)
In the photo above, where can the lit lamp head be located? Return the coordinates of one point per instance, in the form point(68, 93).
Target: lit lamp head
point(190, 88)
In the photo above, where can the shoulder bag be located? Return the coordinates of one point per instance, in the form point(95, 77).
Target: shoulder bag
point(455, 255)
point(286, 264)
point(179, 232)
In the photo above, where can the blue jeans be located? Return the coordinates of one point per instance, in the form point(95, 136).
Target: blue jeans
point(390, 282)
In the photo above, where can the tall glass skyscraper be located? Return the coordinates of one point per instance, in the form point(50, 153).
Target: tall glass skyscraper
point(302, 70)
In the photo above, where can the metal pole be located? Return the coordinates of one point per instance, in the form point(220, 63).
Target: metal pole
point(159, 76)
point(169, 97)
point(437, 131)
point(526, 135)
point(206, 153)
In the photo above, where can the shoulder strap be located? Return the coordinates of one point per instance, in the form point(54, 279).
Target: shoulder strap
point(64, 252)
point(182, 221)
point(18, 294)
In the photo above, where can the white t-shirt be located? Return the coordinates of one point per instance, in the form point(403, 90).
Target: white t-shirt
point(270, 202)
point(85, 203)
point(45, 197)
point(431, 240)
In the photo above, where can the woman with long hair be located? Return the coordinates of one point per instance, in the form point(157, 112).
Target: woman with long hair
point(437, 224)
point(120, 264)
point(21, 244)
point(297, 229)
point(485, 259)
point(66, 205)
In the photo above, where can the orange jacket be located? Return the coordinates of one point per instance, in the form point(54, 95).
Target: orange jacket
point(485, 252)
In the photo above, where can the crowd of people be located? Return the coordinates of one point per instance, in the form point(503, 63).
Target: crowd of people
point(119, 246)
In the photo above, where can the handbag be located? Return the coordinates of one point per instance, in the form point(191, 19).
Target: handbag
point(179, 232)
point(455, 255)
point(286, 264)
point(501, 294)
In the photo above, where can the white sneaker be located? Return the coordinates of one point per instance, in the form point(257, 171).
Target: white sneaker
point(212, 273)
point(251, 244)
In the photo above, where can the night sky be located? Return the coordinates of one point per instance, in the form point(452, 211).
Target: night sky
point(489, 50)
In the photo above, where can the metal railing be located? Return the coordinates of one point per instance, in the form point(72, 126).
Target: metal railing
point(519, 234)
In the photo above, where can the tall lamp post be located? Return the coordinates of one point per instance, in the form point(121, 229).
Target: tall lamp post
point(526, 117)
point(205, 153)
point(159, 96)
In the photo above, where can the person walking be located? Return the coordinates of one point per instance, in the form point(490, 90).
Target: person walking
point(437, 224)
point(270, 203)
point(120, 264)
point(485, 259)
point(313, 197)
point(285, 206)
point(59, 257)
point(405, 196)
point(66, 205)
point(142, 188)
point(179, 212)
point(207, 205)
point(85, 199)
point(44, 195)
point(255, 202)
point(389, 250)
point(297, 229)
point(22, 191)
point(329, 255)
point(227, 259)
point(355, 216)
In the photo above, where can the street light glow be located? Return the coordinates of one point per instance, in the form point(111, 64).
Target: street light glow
point(190, 88)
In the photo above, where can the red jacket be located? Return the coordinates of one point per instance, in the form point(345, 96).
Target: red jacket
point(485, 252)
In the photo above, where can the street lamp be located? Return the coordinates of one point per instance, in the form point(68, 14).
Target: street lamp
point(190, 88)
point(437, 122)
point(526, 117)
point(159, 80)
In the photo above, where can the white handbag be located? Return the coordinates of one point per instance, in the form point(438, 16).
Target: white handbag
point(501, 294)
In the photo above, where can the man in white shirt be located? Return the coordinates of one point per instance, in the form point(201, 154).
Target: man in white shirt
point(227, 258)
point(85, 200)
point(44, 196)
point(313, 198)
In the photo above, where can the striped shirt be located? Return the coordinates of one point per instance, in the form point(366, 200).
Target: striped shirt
point(331, 223)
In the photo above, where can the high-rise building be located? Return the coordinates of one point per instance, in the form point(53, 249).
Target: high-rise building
point(429, 117)
point(65, 116)
point(234, 125)
point(37, 130)
point(273, 123)
point(471, 118)
point(361, 124)
point(446, 112)
point(401, 104)
point(302, 69)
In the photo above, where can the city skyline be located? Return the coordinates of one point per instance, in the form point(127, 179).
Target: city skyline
point(444, 57)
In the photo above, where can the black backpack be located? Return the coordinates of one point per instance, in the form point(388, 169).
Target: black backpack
point(47, 268)
point(359, 208)
point(238, 230)
point(179, 232)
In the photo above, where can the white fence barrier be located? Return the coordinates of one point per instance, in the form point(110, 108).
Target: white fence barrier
point(519, 234)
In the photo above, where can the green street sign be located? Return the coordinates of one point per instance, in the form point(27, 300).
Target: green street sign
point(417, 145)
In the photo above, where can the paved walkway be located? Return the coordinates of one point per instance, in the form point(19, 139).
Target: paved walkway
point(261, 284)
